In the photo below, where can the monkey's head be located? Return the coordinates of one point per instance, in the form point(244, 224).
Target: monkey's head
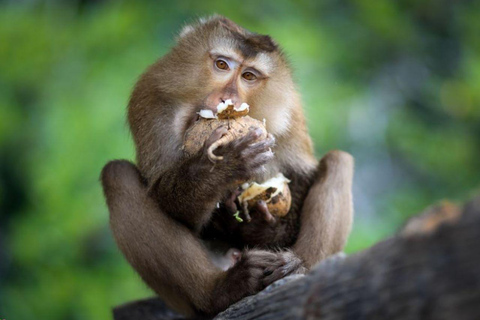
point(215, 60)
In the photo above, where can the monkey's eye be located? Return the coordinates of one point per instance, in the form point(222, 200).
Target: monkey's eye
point(221, 64)
point(249, 76)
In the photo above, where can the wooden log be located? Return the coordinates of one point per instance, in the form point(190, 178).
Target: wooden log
point(430, 270)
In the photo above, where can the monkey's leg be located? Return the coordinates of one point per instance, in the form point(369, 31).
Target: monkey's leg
point(170, 258)
point(327, 212)
point(166, 255)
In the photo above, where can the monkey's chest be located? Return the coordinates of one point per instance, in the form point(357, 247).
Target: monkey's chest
point(225, 228)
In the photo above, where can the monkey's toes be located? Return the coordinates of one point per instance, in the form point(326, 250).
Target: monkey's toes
point(287, 264)
point(251, 268)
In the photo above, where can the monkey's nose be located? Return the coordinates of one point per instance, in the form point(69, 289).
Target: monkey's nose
point(227, 101)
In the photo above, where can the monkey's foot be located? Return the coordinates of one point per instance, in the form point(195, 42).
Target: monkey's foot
point(291, 265)
point(255, 270)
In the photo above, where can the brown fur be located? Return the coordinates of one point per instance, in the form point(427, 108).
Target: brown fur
point(161, 211)
point(327, 212)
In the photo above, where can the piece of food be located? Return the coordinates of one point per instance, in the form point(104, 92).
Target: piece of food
point(275, 192)
point(237, 217)
point(226, 110)
point(234, 119)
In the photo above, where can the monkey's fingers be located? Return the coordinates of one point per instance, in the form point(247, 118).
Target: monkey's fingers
point(242, 143)
point(216, 135)
point(216, 139)
point(236, 145)
point(259, 147)
point(230, 204)
point(257, 162)
point(262, 208)
point(246, 212)
point(225, 145)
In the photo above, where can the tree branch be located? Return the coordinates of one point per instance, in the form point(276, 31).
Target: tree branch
point(430, 270)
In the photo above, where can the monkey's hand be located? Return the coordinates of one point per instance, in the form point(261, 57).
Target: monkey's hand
point(265, 230)
point(255, 228)
point(255, 270)
point(190, 190)
point(245, 157)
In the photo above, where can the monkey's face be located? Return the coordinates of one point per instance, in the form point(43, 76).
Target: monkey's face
point(233, 77)
point(239, 65)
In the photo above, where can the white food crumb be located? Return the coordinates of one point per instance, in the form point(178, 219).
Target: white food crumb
point(222, 106)
point(207, 114)
point(218, 205)
point(255, 189)
point(228, 102)
point(264, 122)
point(243, 106)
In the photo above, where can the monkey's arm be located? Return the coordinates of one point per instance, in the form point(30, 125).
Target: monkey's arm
point(191, 189)
point(171, 259)
point(327, 212)
point(149, 239)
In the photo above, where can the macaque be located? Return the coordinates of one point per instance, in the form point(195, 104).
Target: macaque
point(172, 213)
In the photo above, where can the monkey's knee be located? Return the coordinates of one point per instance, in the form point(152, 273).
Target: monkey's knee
point(338, 158)
point(119, 173)
point(336, 165)
point(122, 185)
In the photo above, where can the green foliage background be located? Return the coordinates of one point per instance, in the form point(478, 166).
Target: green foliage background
point(396, 83)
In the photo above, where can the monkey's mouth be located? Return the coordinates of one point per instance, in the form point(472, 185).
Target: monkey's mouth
point(197, 115)
point(224, 110)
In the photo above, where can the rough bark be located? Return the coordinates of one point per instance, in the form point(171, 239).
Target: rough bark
point(430, 270)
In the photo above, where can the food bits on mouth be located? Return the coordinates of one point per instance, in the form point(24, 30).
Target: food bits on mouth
point(235, 119)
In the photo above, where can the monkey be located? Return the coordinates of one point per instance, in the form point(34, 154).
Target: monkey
point(169, 212)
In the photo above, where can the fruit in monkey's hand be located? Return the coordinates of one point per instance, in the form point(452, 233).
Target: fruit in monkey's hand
point(235, 119)
point(275, 192)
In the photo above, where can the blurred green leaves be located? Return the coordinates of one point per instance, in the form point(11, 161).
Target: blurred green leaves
point(397, 84)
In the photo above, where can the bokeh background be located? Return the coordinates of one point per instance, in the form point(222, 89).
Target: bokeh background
point(395, 83)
